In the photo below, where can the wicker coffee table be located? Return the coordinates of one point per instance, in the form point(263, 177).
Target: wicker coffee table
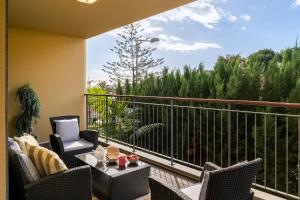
point(110, 182)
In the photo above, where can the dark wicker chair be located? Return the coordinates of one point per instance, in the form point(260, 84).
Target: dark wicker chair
point(58, 145)
point(75, 183)
point(231, 183)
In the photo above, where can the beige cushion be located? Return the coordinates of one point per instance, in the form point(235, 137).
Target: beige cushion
point(26, 138)
point(46, 162)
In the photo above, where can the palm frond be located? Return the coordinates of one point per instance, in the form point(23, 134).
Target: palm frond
point(146, 129)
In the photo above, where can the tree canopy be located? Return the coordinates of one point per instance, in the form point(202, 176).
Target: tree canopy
point(263, 75)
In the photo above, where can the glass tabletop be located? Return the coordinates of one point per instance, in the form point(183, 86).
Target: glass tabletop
point(104, 165)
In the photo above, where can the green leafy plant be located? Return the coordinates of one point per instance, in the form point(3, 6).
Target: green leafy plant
point(119, 115)
point(30, 109)
point(123, 119)
point(97, 103)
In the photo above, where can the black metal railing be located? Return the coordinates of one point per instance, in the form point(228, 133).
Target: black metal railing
point(192, 131)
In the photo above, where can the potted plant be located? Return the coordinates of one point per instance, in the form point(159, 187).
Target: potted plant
point(30, 109)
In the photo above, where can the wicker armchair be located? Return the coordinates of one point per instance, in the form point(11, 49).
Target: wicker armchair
point(58, 146)
point(75, 183)
point(231, 183)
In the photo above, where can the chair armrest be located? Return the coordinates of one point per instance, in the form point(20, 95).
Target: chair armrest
point(90, 135)
point(208, 166)
point(161, 190)
point(56, 144)
point(75, 183)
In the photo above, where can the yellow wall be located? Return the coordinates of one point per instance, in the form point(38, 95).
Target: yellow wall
point(54, 66)
point(2, 103)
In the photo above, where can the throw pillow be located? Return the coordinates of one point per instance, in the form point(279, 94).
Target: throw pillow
point(13, 145)
point(28, 169)
point(26, 138)
point(68, 129)
point(47, 162)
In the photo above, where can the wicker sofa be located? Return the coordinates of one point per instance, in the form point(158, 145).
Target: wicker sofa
point(88, 140)
point(216, 183)
point(75, 183)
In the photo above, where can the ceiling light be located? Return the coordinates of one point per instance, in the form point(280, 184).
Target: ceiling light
point(87, 1)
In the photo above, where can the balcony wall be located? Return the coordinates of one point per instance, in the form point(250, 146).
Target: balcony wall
point(54, 66)
point(2, 103)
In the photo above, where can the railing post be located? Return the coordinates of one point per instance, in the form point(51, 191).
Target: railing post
point(172, 130)
point(106, 118)
point(229, 134)
point(134, 125)
point(87, 117)
point(298, 166)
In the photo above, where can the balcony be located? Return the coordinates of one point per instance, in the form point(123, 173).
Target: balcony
point(181, 134)
point(175, 135)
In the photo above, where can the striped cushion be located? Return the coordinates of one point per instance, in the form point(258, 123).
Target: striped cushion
point(26, 138)
point(47, 162)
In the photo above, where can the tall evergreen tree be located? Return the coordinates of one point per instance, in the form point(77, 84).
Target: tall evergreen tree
point(127, 87)
point(119, 88)
point(134, 60)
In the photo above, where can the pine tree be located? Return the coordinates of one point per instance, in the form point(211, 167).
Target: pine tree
point(127, 87)
point(134, 61)
point(119, 88)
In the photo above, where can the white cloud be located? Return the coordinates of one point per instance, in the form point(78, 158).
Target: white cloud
point(243, 28)
point(164, 37)
point(246, 17)
point(202, 12)
point(183, 47)
point(149, 28)
point(231, 18)
point(295, 4)
point(173, 43)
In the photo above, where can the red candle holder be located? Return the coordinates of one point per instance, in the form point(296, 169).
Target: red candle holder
point(122, 161)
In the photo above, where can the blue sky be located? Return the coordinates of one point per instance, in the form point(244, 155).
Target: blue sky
point(205, 29)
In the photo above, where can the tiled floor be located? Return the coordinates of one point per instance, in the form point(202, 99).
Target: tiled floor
point(172, 178)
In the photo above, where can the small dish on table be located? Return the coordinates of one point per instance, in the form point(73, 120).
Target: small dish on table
point(133, 158)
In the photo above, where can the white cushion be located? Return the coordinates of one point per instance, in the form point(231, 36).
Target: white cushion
point(14, 146)
point(68, 129)
point(28, 168)
point(79, 144)
point(193, 191)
